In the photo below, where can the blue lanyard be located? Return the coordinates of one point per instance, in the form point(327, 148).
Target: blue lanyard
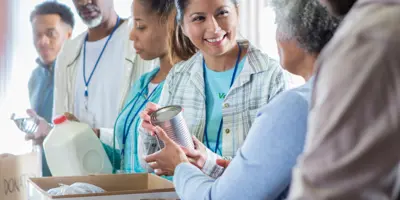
point(98, 59)
point(221, 122)
point(133, 102)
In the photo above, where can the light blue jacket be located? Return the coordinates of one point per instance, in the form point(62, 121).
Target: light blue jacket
point(262, 168)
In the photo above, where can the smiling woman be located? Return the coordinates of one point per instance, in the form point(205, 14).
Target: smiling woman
point(216, 36)
point(220, 88)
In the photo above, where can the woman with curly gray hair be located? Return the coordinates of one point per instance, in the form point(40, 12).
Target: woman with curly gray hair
point(303, 29)
point(262, 167)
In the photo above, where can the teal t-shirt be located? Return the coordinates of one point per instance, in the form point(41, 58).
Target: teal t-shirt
point(217, 86)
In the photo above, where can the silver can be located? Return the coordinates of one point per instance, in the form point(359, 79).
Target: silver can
point(170, 119)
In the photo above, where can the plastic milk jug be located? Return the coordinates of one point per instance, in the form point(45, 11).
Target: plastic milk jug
point(73, 149)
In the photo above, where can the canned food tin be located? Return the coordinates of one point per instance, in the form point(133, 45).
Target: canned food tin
point(170, 119)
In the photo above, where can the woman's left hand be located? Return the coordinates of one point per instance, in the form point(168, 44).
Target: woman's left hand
point(197, 156)
point(167, 159)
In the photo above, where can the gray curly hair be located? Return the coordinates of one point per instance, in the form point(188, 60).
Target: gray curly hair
point(306, 21)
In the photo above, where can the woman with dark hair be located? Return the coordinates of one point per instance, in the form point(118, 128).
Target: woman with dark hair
point(263, 165)
point(220, 88)
point(151, 33)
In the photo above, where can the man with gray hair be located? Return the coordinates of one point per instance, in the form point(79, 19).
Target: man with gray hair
point(353, 147)
point(95, 71)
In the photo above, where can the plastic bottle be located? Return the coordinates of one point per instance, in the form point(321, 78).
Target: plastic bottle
point(73, 149)
point(33, 125)
point(27, 125)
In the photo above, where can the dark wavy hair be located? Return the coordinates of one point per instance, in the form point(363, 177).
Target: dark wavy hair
point(167, 12)
point(161, 7)
point(53, 7)
point(306, 21)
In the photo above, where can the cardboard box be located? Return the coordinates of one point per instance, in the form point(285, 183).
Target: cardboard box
point(14, 173)
point(117, 187)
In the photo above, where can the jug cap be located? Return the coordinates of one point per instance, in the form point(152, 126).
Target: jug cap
point(60, 119)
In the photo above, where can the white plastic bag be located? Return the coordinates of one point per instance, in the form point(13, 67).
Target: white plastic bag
point(76, 188)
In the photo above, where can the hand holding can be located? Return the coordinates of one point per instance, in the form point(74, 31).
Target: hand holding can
point(145, 116)
point(170, 119)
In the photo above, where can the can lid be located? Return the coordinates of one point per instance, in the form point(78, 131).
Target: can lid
point(59, 119)
point(165, 114)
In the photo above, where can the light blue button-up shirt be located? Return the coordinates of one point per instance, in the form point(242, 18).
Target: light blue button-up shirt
point(262, 168)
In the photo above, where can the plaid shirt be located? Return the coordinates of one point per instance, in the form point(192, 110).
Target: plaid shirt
point(260, 80)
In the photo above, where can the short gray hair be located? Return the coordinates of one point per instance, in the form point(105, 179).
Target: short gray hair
point(307, 21)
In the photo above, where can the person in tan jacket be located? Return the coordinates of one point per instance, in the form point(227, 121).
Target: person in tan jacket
point(352, 150)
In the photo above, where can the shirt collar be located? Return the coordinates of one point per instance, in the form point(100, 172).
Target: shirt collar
point(41, 64)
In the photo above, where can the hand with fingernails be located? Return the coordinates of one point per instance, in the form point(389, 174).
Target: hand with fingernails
point(43, 128)
point(165, 162)
point(197, 156)
point(167, 159)
point(145, 116)
point(223, 163)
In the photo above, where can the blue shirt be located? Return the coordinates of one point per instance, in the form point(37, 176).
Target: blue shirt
point(134, 104)
point(40, 86)
point(217, 86)
point(262, 167)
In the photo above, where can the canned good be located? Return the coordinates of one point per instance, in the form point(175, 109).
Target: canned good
point(170, 119)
